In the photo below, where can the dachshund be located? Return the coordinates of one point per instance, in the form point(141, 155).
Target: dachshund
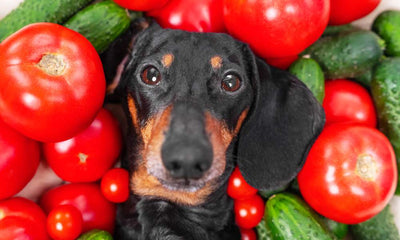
point(197, 105)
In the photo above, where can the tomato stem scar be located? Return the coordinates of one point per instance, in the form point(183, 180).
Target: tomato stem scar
point(366, 167)
point(52, 64)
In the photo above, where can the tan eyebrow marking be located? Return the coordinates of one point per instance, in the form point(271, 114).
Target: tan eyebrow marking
point(167, 60)
point(216, 62)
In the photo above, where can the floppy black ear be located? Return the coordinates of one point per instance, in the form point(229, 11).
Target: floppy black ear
point(284, 121)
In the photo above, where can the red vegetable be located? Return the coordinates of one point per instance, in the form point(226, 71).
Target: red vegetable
point(350, 173)
point(279, 28)
point(248, 234)
point(343, 11)
point(141, 5)
point(88, 155)
point(115, 185)
point(238, 188)
point(249, 211)
point(64, 222)
point(52, 82)
point(19, 159)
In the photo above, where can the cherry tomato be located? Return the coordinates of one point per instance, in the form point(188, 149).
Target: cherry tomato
point(142, 5)
point(21, 218)
point(343, 11)
point(19, 159)
point(191, 15)
point(97, 212)
point(115, 185)
point(52, 84)
point(279, 28)
point(249, 211)
point(350, 173)
point(347, 101)
point(238, 188)
point(88, 155)
point(64, 222)
point(247, 234)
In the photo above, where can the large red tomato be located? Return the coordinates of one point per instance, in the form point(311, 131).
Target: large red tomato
point(278, 28)
point(19, 159)
point(191, 15)
point(344, 11)
point(350, 173)
point(141, 5)
point(347, 101)
point(52, 82)
point(21, 218)
point(97, 212)
point(88, 155)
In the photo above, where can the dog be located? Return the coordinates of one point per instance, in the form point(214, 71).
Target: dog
point(197, 105)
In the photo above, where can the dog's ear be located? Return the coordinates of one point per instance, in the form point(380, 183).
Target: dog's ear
point(281, 127)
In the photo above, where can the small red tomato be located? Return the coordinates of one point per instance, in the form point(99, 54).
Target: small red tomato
point(346, 101)
point(191, 15)
point(115, 185)
point(88, 155)
point(238, 188)
point(64, 222)
point(344, 11)
point(249, 211)
point(141, 5)
point(248, 234)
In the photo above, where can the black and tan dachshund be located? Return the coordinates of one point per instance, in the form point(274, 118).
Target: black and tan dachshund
point(197, 105)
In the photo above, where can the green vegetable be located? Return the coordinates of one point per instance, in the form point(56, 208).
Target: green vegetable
point(380, 227)
point(337, 29)
point(32, 11)
point(338, 229)
point(366, 78)
point(385, 89)
point(310, 73)
point(263, 232)
point(347, 55)
point(100, 23)
point(96, 235)
point(387, 26)
point(288, 217)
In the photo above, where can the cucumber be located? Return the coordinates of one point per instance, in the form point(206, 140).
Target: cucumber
point(288, 217)
point(347, 55)
point(338, 229)
point(380, 227)
point(385, 89)
point(310, 73)
point(101, 23)
point(96, 235)
point(32, 11)
point(263, 233)
point(387, 26)
point(334, 30)
point(366, 78)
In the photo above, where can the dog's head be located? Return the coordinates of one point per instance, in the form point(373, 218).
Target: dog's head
point(198, 103)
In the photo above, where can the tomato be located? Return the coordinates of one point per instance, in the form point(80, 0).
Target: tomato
point(142, 5)
point(19, 159)
point(247, 234)
point(238, 188)
point(88, 155)
point(21, 218)
point(191, 15)
point(347, 101)
point(350, 173)
point(343, 11)
point(279, 28)
point(64, 222)
point(282, 62)
point(97, 212)
point(52, 82)
point(115, 185)
point(248, 211)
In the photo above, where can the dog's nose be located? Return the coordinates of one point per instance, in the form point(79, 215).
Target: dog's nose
point(187, 160)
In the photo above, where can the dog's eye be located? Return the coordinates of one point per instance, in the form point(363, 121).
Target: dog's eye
point(231, 83)
point(151, 75)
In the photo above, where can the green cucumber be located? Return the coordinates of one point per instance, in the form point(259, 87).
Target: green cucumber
point(338, 229)
point(263, 233)
point(101, 23)
point(334, 30)
point(380, 227)
point(387, 26)
point(347, 55)
point(96, 235)
point(288, 217)
point(385, 89)
point(32, 11)
point(310, 73)
point(366, 78)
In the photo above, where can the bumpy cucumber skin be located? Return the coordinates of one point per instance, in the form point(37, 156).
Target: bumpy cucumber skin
point(310, 73)
point(96, 235)
point(288, 217)
point(263, 233)
point(347, 55)
point(101, 23)
point(338, 229)
point(387, 26)
point(385, 89)
point(380, 227)
point(32, 11)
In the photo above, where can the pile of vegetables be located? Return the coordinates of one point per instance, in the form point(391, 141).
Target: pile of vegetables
point(52, 91)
